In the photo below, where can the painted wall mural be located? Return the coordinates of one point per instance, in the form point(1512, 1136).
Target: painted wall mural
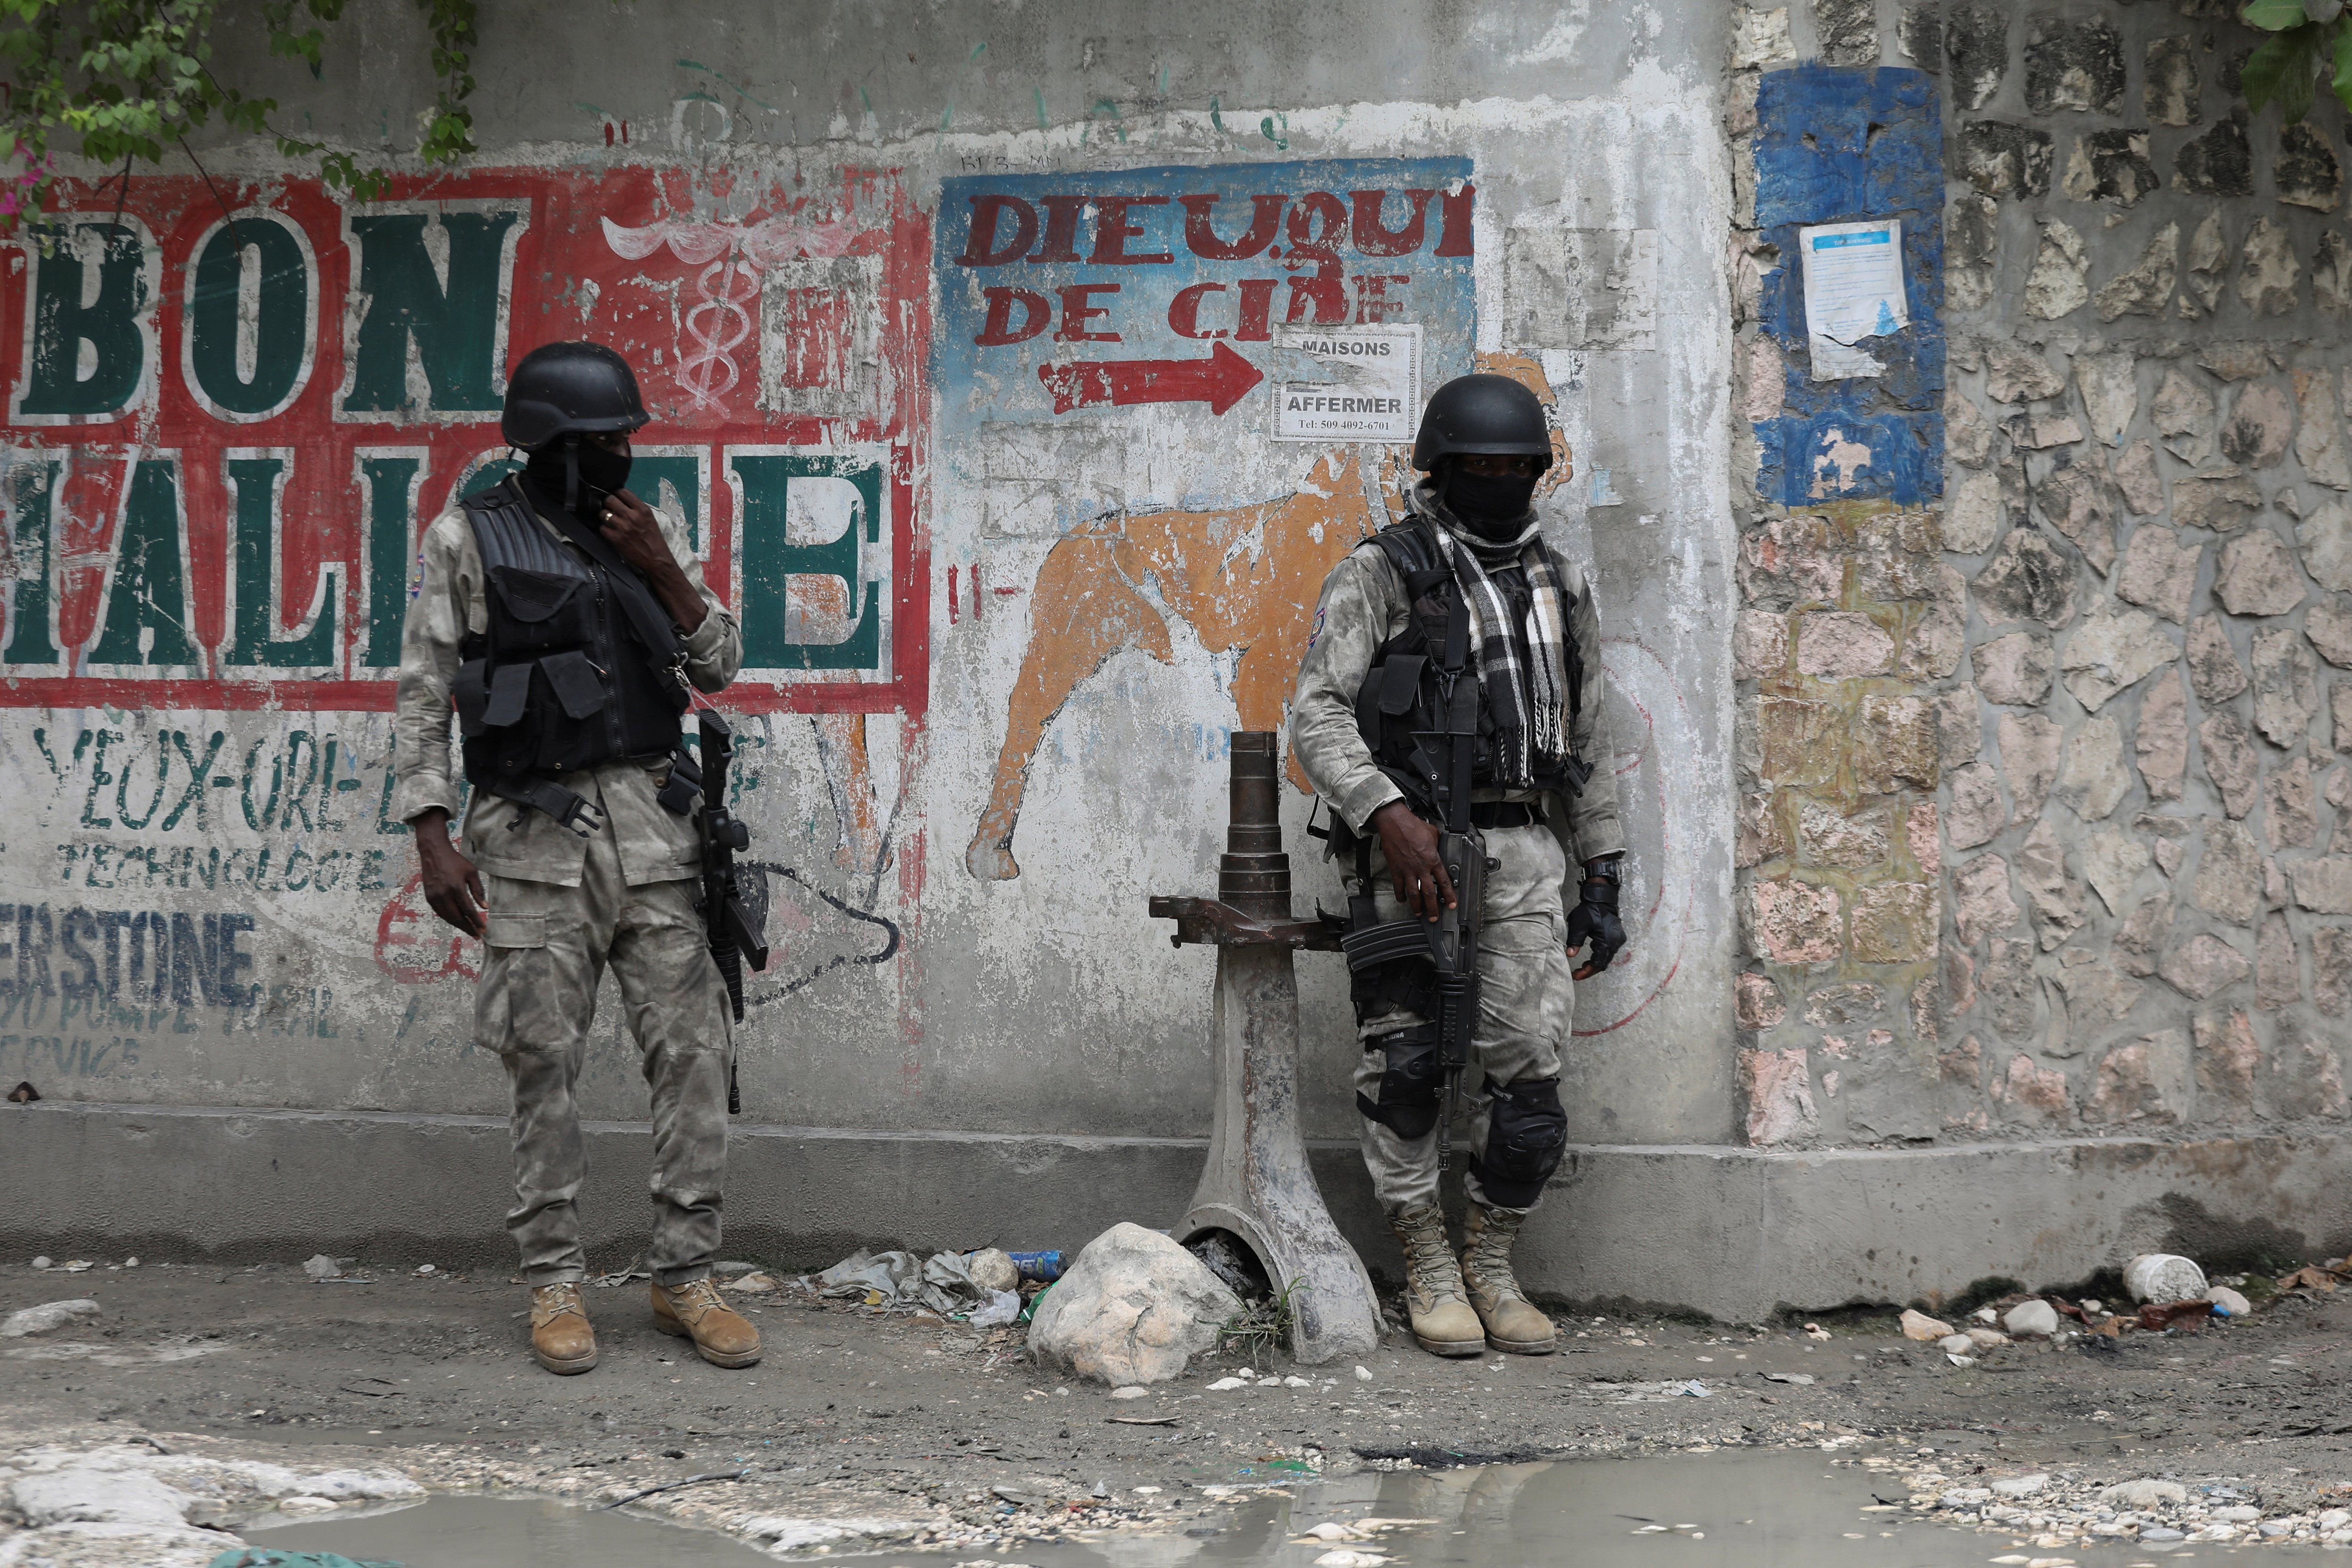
point(230, 416)
point(228, 427)
point(1067, 298)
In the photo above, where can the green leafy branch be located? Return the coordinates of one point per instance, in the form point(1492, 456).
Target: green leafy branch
point(2307, 37)
point(121, 81)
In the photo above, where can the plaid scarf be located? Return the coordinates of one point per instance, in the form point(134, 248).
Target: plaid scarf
point(1521, 664)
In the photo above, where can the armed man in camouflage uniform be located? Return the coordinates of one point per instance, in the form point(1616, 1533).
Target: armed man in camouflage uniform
point(564, 619)
point(1369, 702)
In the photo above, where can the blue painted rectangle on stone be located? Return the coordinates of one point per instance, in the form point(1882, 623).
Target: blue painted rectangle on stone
point(1837, 145)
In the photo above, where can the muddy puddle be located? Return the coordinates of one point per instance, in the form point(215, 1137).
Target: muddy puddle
point(1768, 1509)
point(1771, 1510)
point(459, 1531)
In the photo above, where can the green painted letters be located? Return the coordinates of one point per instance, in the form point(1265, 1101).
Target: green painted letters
point(257, 482)
point(281, 319)
point(57, 383)
point(453, 325)
point(32, 506)
point(769, 559)
point(147, 605)
point(390, 480)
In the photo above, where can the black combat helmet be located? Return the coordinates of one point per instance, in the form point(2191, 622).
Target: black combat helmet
point(1482, 415)
point(562, 389)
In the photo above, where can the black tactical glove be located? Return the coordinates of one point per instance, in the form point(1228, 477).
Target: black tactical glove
point(1594, 920)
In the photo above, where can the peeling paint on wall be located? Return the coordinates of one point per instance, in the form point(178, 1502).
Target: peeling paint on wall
point(1068, 611)
point(1836, 145)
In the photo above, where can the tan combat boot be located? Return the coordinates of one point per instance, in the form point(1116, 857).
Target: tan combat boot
point(1512, 1322)
point(561, 1336)
point(1442, 1320)
point(721, 1336)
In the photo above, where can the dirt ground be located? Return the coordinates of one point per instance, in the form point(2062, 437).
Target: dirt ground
point(935, 1434)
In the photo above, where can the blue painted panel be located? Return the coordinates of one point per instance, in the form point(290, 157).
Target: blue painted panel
point(1837, 145)
point(1178, 264)
point(1809, 460)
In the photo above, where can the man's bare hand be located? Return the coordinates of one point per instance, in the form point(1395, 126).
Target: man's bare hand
point(452, 886)
point(1411, 846)
point(633, 530)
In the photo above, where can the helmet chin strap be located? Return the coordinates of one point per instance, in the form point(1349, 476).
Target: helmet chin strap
point(572, 474)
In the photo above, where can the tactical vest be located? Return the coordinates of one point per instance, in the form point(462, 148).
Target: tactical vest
point(580, 665)
point(1399, 709)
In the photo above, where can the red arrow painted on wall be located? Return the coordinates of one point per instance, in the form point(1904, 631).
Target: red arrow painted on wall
point(1220, 380)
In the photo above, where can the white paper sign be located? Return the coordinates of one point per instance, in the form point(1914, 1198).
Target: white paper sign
point(1853, 289)
point(1374, 392)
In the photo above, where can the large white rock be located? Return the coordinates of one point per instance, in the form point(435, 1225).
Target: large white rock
point(2162, 1277)
point(2031, 1318)
point(1133, 1308)
point(45, 1317)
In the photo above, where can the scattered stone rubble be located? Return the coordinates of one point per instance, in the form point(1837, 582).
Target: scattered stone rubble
point(2050, 1510)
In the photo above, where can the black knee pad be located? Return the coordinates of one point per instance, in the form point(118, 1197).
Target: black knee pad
point(1526, 1135)
point(1410, 1084)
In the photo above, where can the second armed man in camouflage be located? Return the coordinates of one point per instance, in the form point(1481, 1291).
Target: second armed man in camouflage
point(1374, 699)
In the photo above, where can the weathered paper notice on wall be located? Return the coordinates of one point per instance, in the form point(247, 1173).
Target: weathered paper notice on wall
point(1853, 290)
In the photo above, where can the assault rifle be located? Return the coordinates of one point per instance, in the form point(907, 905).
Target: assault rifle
point(1451, 942)
point(736, 937)
point(1462, 848)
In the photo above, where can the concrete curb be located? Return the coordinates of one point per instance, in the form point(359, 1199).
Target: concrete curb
point(1731, 1232)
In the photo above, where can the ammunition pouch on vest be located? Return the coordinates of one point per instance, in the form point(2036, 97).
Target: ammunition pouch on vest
point(1399, 709)
point(579, 666)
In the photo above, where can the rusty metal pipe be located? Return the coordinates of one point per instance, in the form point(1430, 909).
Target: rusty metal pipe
point(1257, 1185)
point(1254, 874)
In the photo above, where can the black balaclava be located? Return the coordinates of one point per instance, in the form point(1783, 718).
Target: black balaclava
point(1493, 506)
point(580, 471)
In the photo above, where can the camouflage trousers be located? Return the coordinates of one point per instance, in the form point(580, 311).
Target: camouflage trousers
point(547, 951)
point(1525, 1003)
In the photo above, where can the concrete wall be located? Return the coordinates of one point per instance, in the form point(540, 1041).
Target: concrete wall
point(2115, 631)
point(998, 646)
point(1977, 717)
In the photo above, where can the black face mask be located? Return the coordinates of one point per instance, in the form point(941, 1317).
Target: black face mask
point(601, 473)
point(1490, 505)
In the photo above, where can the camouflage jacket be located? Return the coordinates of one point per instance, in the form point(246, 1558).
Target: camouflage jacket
point(1364, 605)
point(446, 602)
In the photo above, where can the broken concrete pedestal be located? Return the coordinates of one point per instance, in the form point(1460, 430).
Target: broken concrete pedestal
point(1257, 1185)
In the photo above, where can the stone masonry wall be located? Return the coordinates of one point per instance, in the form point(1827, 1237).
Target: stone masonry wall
point(2129, 646)
point(1849, 616)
